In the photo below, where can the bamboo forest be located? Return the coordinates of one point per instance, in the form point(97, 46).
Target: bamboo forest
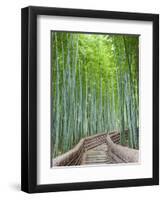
point(94, 90)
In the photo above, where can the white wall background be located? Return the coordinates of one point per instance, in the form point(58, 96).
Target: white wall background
point(10, 86)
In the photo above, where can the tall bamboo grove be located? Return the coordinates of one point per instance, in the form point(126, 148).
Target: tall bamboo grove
point(95, 88)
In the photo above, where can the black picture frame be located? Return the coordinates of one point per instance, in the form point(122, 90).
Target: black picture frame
point(29, 99)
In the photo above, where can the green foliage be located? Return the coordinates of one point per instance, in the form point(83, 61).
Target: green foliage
point(94, 87)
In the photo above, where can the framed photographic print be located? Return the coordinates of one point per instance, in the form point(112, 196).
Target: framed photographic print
point(90, 99)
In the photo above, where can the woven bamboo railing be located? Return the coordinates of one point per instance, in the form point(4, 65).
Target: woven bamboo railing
point(72, 157)
point(124, 153)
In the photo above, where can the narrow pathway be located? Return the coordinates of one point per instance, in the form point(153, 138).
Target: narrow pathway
point(100, 155)
point(95, 155)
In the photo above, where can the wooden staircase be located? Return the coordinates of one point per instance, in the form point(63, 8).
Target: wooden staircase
point(101, 148)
